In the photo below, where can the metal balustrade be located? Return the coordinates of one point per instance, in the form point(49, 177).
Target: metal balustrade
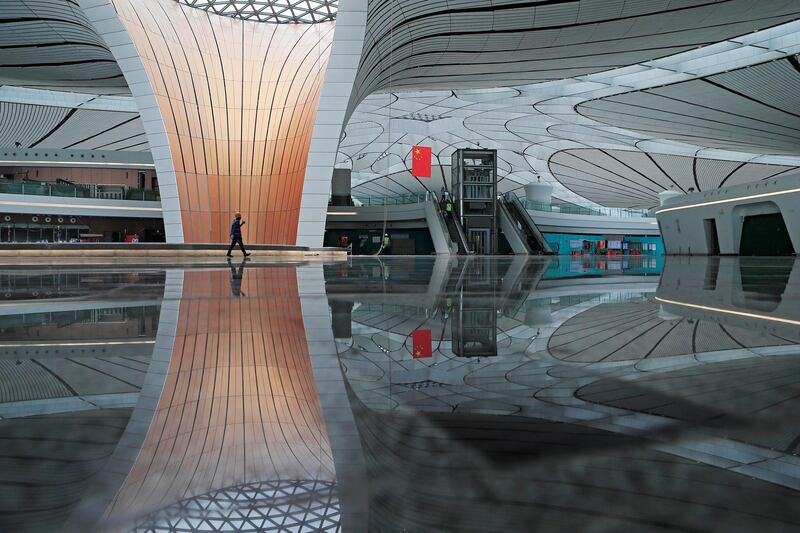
point(411, 198)
point(570, 209)
point(567, 209)
point(100, 192)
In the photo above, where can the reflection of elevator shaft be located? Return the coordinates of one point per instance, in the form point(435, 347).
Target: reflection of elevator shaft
point(474, 327)
point(474, 307)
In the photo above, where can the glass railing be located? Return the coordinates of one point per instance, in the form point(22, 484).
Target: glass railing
point(568, 209)
point(571, 209)
point(142, 194)
point(411, 198)
point(100, 192)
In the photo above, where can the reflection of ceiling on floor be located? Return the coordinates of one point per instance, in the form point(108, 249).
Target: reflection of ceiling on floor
point(626, 332)
point(290, 505)
point(475, 472)
point(55, 458)
point(751, 387)
point(64, 377)
point(74, 288)
point(622, 369)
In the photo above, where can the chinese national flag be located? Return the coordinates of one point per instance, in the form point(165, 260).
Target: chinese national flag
point(422, 343)
point(421, 161)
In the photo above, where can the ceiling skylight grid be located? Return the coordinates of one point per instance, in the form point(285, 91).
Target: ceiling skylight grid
point(273, 11)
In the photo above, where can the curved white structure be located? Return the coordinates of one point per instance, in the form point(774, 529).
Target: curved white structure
point(610, 104)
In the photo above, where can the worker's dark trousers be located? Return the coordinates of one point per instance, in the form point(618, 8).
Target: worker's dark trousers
point(234, 241)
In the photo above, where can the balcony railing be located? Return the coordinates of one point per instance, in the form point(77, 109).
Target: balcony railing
point(411, 198)
point(570, 209)
point(567, 209)
point(100, 192)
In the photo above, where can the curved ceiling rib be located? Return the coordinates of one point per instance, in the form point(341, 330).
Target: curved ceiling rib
point(634, 179)
point(460, 43)
point(50, 44)
point(40, 126)
point(713, 80)
point(753, 109)
point(536, 79)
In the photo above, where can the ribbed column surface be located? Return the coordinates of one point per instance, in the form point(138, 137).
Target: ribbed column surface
point(238, 101)
point(239, 404)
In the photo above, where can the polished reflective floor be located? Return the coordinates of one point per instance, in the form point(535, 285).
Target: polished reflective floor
point(402, 394)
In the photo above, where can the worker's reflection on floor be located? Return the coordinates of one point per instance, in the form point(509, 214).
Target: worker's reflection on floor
point(236, 279)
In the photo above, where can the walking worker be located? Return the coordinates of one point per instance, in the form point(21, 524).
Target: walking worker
point(236, 234)
point(387, 244)
point(449, 208)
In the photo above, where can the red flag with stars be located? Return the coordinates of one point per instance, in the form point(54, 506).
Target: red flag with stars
point(422, 343)
point(421, 161)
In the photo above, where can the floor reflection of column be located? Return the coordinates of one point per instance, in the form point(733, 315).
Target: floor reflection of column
point(239, 412)
point(344, 438)
point(108, 482)
point(442, 267)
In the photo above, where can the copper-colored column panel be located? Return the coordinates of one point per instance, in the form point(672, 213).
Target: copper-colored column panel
point(239, 403)
point(238, 100)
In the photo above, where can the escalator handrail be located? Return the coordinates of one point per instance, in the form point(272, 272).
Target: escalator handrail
point(514, 200)
point(461, 234)
point(455, 236)
point(442, 221)
point(525, 230)
point(462, 246)
point(520, 234)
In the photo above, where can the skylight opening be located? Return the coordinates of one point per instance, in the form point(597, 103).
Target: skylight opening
point(272, 11)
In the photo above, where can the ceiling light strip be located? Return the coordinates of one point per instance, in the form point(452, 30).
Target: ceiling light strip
point(729, 200)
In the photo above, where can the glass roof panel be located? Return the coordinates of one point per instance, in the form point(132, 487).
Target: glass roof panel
point(274, 11)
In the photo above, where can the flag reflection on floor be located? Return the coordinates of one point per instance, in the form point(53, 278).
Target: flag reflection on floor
point(422, 343)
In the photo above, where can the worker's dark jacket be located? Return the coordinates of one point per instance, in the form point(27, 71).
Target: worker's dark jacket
point(236, 228)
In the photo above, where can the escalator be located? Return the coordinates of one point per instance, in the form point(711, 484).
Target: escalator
point(440, 233)
point(523, 223)
point(447, 233)
point(516, 238)
point(457, 233)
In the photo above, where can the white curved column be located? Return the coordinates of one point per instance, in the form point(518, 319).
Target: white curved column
point(332, 114)
point(104, 18)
